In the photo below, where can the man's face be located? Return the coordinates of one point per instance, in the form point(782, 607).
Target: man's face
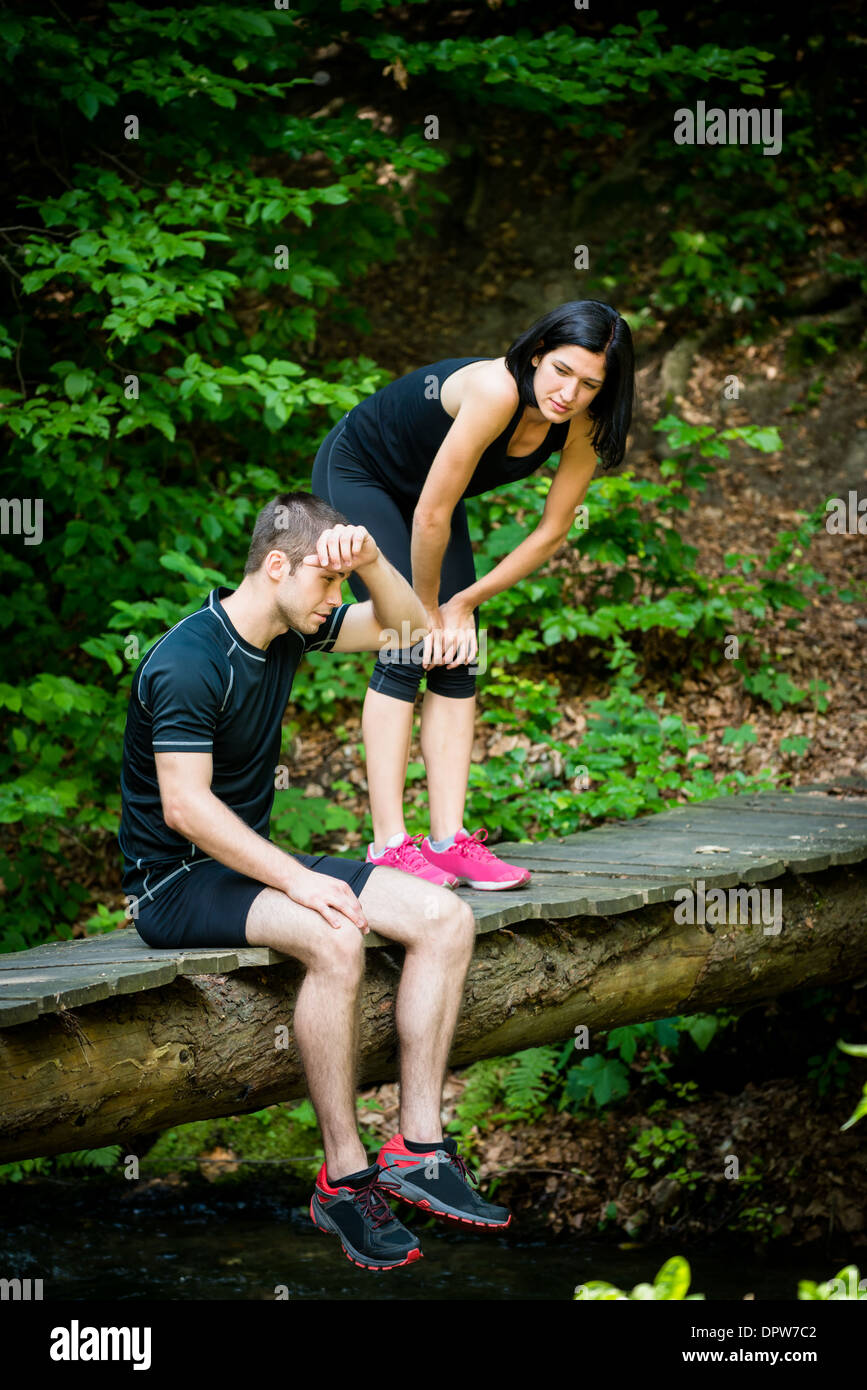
point(307, 596)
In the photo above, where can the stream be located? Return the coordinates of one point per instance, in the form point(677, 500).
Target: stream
point(174, 1244)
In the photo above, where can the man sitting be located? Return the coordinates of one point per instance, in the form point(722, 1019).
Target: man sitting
point(201, 747)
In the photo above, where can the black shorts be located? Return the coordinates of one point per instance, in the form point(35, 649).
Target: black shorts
point(205, 903)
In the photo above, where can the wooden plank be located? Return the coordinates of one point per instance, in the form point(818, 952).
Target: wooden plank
point(51, 988)
point(13, 1011)
point(652, 853)
point(571, 900)
point(213, 962)
point(655, 889)
point(799, 803)
point(747, 820)
point(116, 947)
point(763, 839)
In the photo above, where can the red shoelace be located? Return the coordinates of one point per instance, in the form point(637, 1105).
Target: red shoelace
point(463, 1169)
point(372, 1204)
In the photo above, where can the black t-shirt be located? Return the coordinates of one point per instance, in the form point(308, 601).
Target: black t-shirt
point(397, 431)
point(201, 688)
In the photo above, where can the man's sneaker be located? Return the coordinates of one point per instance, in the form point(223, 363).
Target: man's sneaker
point(402, 852)
point(436, 1181)
point(474, 864)
point(370, 1233)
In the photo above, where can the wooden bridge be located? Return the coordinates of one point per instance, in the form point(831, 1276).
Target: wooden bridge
point(729, 901)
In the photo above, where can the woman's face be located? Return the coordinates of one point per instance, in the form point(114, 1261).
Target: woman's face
point(567, 377)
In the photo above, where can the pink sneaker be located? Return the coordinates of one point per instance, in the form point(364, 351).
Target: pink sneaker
point(474, 863)
point(402, 852)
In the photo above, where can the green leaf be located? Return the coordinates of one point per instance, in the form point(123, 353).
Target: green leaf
point(88, 104)
point(77, 384)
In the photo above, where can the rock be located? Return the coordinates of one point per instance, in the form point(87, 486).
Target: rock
point(663, 1193)
point(676, 367)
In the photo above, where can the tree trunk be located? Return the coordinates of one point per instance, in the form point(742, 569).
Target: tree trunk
point(209, 1045)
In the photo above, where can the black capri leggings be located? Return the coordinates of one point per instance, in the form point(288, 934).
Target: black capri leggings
point(341, 479)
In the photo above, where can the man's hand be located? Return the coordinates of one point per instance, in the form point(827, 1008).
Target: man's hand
point(330, 897)
point(452, 640)
point(344, 548)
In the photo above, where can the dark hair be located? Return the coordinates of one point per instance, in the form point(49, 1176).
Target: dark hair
point(590, 324)
point(291, 522)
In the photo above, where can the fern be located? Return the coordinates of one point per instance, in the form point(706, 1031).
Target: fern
point(529, 1082)
point(90, 1158)
point(480, 1095)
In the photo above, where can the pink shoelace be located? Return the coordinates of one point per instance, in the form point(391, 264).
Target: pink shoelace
point(409, 853)
point(473, 846)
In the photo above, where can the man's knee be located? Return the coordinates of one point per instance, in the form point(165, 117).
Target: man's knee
point(460, 925)
point(340, 955)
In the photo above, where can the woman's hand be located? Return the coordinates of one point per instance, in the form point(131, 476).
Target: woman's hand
point(452, 640)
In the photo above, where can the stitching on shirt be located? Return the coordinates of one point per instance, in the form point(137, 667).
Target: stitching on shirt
point(187, 742)
point(317, 646)
point(229, 687)
point(212, 609)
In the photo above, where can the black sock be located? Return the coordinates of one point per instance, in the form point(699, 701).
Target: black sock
point(353, 1179)
point(423, 1148)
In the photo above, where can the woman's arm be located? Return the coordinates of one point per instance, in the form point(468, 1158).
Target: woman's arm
point(483, 414)
point(567, 491)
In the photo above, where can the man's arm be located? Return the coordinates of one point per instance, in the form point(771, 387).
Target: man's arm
point(394, 608)
point(192, 810)
point(394, 615)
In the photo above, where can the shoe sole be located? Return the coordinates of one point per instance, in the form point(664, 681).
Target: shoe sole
point(493, 887)
point(327, 1227)
point(443, 1212)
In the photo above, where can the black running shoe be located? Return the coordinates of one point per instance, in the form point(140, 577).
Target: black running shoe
point(436, 1181)
point(369, 1232)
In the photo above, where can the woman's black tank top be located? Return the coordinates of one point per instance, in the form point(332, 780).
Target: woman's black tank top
point(397, 431)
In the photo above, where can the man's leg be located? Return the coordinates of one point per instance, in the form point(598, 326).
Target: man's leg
point(326, 1014)
point(438, 931)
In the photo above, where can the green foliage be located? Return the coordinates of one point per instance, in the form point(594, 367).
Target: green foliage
point(828, 1073)
point(105, 1158)
point(846, 1284)
point(856, 1050)
point(671, 1283)
point(512, 1090)
point(296, 818)
point(673, 1280)
point(654, 1150)
point(163, 373)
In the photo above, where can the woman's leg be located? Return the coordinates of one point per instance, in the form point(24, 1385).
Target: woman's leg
point(447, 728)
point(386, 727)
point(449, 709)
point(389, 703)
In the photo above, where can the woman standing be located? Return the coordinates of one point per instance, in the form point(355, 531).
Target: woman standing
point(401, 463)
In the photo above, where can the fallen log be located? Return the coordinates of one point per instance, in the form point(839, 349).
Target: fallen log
point(206, 1045)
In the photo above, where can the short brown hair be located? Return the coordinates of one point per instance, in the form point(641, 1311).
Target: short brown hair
point(291, 522)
